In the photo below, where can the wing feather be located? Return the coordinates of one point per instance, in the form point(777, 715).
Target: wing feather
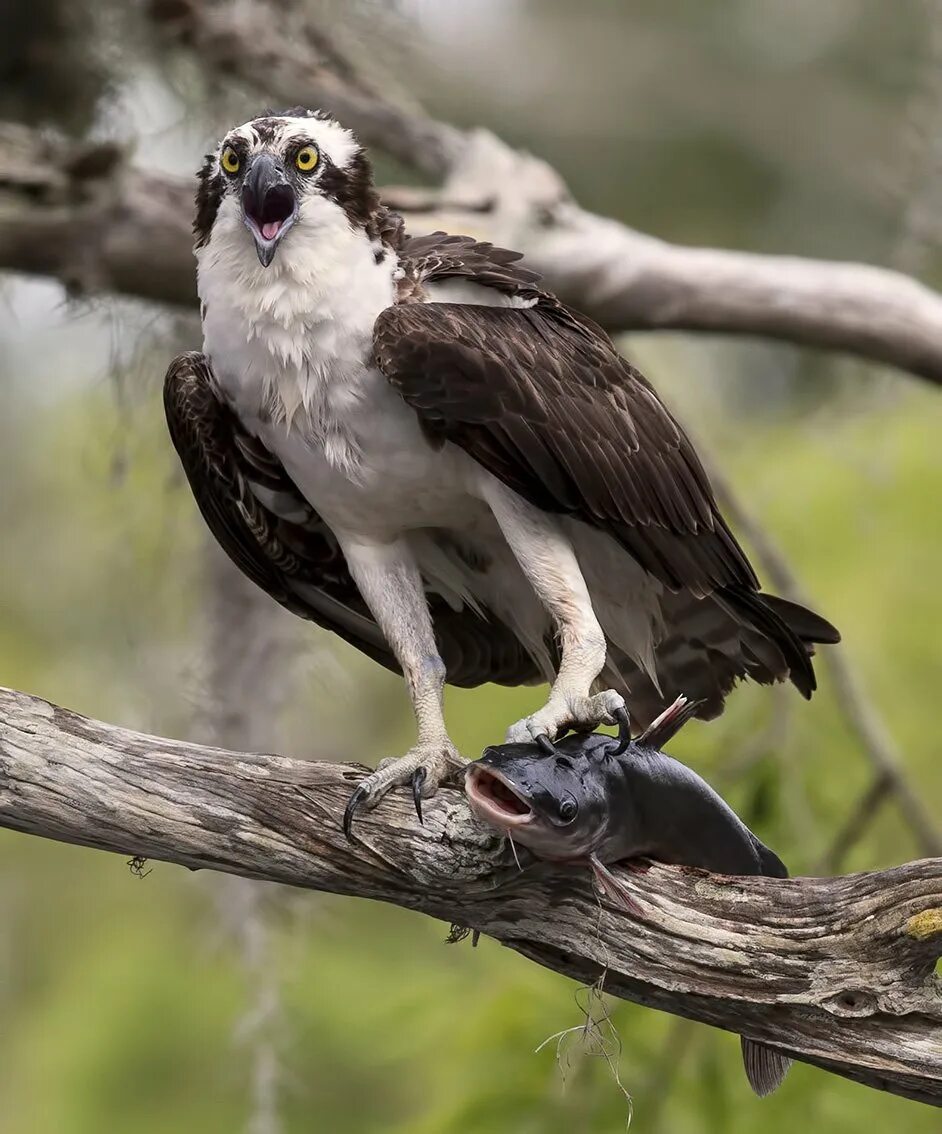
point(542, 399)
point(277, 539)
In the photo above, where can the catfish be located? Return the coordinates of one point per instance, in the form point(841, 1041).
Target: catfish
point(597, 799)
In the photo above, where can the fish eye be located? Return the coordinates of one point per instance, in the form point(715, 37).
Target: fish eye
point(567, 810)
point(306, 159)
point(230, 160)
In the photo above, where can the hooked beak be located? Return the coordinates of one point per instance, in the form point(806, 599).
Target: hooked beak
point(269, 205)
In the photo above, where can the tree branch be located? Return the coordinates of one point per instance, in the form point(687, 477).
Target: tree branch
point(91, 221)
point(623, 278)
point(289, 57)
point(837, 972)
point(96, 224)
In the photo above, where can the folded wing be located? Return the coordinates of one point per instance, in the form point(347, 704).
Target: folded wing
point(276, 538)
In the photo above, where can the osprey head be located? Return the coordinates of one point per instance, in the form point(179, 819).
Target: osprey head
point(296, 170)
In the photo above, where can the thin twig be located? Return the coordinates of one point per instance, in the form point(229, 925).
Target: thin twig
point(677, 1047)
point(918, 188)
point(857, 823)
point(857, 709)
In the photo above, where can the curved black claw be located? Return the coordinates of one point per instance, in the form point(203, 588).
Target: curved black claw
point(355, 800)
point(624, 730)
point(546, 746)
point(418, 780)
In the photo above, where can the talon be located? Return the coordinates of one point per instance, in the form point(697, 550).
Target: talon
point(418, 779)
point(356, 799)
point(624, 729)
point(566, 712)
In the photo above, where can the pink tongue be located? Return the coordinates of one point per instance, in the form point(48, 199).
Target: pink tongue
point(270, 229)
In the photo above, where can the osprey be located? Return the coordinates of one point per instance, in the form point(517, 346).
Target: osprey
point(411, 443)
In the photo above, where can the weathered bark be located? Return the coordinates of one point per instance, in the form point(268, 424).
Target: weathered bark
point(91, 221)
point(837, 972)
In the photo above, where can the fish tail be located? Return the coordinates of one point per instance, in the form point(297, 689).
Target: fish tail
point(765, 1067)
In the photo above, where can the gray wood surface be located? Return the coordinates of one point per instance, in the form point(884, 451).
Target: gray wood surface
point(838, 972)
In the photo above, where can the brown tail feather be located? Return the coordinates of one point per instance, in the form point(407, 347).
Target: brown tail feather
point(710, 644)
point(810, 627)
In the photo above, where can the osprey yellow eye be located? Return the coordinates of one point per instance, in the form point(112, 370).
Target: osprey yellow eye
point(229, 160)
point(306, 159)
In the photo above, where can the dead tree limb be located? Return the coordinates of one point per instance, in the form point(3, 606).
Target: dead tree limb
point(623, 278)
point(93, 222)
point(837, 972)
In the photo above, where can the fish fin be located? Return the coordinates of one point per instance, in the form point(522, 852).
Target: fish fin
point(669, 723)
point(612, 888)
point(765, 1067)
point(772, 865)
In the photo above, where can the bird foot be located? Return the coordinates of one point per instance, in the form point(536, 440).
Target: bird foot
point(423, 768)
point(568, 711)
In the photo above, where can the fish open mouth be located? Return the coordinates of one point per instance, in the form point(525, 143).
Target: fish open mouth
point(494, 799)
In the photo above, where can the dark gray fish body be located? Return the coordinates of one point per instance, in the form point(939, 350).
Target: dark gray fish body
point(600, 799)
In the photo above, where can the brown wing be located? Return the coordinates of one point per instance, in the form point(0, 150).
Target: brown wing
point(540, 397)
point(276, 538)
point(442, 256)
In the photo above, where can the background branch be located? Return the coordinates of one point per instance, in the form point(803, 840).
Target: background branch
point(94, 223)
point(622, 278)
point(855, 996)
point(860, 713)
point(244, 639)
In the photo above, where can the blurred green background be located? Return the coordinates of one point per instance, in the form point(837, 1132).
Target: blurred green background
point(179, 1002)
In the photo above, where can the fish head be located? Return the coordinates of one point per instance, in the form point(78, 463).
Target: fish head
point(555, 805)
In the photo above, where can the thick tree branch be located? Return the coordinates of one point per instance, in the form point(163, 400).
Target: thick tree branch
point(837, 972)
point(92, 222)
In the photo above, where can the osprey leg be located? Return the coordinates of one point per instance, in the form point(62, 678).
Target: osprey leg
point(549, 562)
point(391, 586)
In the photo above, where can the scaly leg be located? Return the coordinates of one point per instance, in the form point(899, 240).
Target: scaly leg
point(549, 563)
point(391, 586)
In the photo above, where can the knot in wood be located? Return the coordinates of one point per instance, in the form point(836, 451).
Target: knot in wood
point(851, 1002)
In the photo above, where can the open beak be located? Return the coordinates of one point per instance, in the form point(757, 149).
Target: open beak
point(269, 205)
point(493, 799)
